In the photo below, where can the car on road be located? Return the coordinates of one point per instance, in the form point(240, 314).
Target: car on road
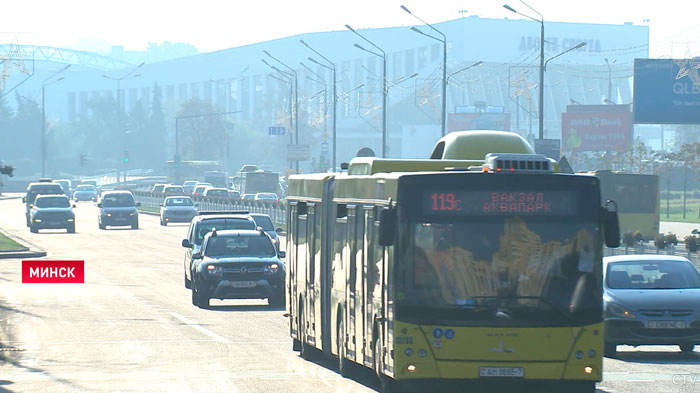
point(199, 189)
point(85, 192)
point(188, 186)
point(173, 190)
point(248, 197)
point(238, 264)
point(66, 184)
point(214, 192)
point(651, 300)
point(233, 194)
point(117, 208)
point(265, 222)
point(177, 209)
point(52, 212)
point(266, 197)
point(203, 224)
point(158, 188)
point(39, 188)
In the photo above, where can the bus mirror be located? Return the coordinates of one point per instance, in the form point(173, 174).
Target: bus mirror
point(387, 227)
point(611, 225)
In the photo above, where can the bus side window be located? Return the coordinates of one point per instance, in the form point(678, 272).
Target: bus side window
point(369, 258)
point(352, 243)
point(301, 234)
point(311, 231)
point(341, 224)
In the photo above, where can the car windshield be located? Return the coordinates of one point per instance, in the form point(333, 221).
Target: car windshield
point(178, 202)
point(222, 223)
point(217, 193)
point(239, 246)
point(52, 202)
point(652, 275)
point(85, 188)
point(264, 221)
point(118, 200)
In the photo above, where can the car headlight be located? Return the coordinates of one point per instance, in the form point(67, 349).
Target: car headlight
point(132, 214)
point(272, 269)
point(109, 214)
point(617, 311)
point(215, 270)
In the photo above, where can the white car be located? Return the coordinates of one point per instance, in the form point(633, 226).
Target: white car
point(177, 209)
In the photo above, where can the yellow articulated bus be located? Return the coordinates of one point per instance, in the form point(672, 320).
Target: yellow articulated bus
point(468, 268)
point(637, 198)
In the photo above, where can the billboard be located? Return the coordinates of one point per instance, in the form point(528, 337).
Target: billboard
point(597, 130)
point(478, 121)
point(667, 91)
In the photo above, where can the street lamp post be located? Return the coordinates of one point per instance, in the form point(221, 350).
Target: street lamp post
point(43, 115)
point(296, 101)
point(287, 79)
point(609, 79)
point(329, 66)
point(541, 98)
point(444, 64)
point(382, 55)
point(128, 75)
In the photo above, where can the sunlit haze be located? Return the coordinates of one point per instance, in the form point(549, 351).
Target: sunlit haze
point(212, 25)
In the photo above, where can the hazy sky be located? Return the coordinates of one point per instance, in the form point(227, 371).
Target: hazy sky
point(218, 24)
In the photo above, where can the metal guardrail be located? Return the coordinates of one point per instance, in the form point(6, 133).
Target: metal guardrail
point(650, 249)
point(276, 210)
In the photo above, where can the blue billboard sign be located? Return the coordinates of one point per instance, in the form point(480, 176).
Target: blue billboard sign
point(667, 91)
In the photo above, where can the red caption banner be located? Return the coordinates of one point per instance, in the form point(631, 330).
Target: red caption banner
point(53, 272)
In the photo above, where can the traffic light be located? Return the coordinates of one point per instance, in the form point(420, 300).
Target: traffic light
point(83, 159)
point(6, 170)
point(126, 156)
point(177, 160)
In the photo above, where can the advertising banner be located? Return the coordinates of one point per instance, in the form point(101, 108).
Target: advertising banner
point(667, 91)
point(596, 131)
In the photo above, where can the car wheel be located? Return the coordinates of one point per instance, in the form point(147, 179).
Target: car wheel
point(306, 351)
point(610, 350)
point(135, 225)
point(71, 228)
point(33, 229)
point(101, 225)
point(163, 223)
point(277, 300)
point(687, 348)
point(188, 283)
point(199, 298)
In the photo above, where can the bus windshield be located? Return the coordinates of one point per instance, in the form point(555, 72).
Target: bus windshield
point(507, 270)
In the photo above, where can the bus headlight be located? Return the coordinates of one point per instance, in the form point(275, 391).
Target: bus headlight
point(411, 368)
point(588, 370)
point(617, 311)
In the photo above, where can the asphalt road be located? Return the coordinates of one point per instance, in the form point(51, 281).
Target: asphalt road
point(132, 328)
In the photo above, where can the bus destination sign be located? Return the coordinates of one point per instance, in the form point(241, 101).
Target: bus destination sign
point(501, 202)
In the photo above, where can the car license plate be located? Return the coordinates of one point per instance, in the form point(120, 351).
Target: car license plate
point(666, 325)
point(120, 219)
point(516, 372)
point(244, 284)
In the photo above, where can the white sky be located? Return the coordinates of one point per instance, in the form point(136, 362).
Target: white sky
point(218, 24)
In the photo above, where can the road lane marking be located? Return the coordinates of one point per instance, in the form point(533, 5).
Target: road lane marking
point(199, 328)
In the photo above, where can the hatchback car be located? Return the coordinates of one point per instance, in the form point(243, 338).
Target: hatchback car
point(39, 188)
point(85, 192)
point(237, 264)
point(214, 192)
point(118, 208)
point(177, 209)
point(52, 212)
point(203, 224)
point(651, 300)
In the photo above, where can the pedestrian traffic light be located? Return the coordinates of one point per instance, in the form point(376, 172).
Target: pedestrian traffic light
point(83, 159)
point(6, 170)
point(126, 156)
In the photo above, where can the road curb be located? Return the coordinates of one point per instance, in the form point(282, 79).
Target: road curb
point(29, 252)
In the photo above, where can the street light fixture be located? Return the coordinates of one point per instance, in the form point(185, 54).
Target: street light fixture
point(296, 98)
point(384, 88)
point(444, 64)
point(541, 22)
point(129, 75)
point(43, 114)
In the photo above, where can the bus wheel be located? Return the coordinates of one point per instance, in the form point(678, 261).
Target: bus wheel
point(386, 384)
point(305, 350)
point(344, 365)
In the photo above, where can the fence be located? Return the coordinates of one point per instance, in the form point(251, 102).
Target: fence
point(276, 210)
point(649, 248)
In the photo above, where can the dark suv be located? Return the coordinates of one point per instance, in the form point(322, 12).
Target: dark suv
point(203, 224)
point(238, 264)
point(40, 188)
point(51, 212)
point(117, 208)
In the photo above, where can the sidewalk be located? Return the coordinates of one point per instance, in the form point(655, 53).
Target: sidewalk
point(22, 253)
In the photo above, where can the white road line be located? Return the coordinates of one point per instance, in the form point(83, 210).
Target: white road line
point(199, 328)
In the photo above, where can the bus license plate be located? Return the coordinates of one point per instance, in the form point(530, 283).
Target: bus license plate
point(516, 372)
point(244, 284)
point(666, 325)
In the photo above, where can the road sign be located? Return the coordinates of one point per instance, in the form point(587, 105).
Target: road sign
point(277, 130)
point(297, 152)
point(548, 147)
point(324, 147)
